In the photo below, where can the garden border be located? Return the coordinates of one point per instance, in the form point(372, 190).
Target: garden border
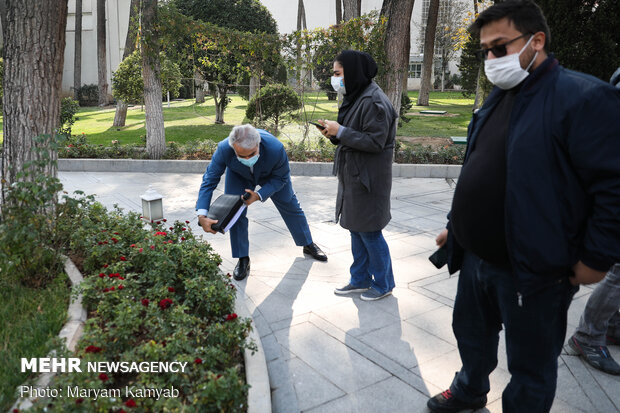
point(72, 331)
point(256, 373)
point(297, 168)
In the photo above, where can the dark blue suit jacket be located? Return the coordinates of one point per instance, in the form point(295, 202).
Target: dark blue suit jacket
point(271, 171)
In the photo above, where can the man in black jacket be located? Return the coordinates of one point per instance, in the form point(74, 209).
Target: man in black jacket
point(536, 210)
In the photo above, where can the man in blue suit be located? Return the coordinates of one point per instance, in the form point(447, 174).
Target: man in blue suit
point(253, 158)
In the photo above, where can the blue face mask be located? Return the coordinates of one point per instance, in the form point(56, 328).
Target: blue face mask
point(249, 162)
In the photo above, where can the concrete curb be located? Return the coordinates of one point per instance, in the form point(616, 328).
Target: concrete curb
point(297, 168)
point(256, 374)
point(71, 332)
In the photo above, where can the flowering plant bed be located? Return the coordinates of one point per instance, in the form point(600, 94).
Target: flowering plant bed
point(161, 333)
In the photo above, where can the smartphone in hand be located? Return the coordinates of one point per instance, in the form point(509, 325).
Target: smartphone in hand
point(318, 125)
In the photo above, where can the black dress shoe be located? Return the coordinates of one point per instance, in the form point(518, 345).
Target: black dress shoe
point(315, 252)
point(242, 269)
point(445, 402)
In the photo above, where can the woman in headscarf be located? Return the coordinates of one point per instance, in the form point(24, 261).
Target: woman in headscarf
point(364, 133)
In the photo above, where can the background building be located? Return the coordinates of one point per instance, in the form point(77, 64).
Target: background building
point(319, 13)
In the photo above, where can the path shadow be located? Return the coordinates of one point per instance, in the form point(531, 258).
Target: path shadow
point(273, 314)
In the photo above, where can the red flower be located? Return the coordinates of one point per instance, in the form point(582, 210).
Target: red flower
point(140, 250)
point(130, 403)
point(123, 259)
point(165, 220)
point(182, 238)
point(133, 245)
point(152, 247)
point(228, 275)
point(92, 349)
point(158, 222)
point(112, 275)
point(105, 242)
point(230, 317)
point(112, 288)
point(121, 278)
point(103, 377)
point(187, 222)
point(105, 265)
point(122, 411)
point(100, 243)
point(160, 233)
point(184, 229)
point(198, 361)
point(116, 233)
point(79, 400)
point(114, 240)
point(165, 303)
point(171, 228)
point(218, 376)
point(169, 241)
point(120, 287)
point(171, 289)
point(105, 290)
point(101, 275)
point(145, 302)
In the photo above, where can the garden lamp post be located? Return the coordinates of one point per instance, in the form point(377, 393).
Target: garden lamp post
point(152, 205)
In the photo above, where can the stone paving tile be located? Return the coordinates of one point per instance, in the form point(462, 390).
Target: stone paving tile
point(437, 322)
point(405, 303)
point(354, 316)
point(407, 344)
point(388, 396)
point(311, 388)
point(330, 358)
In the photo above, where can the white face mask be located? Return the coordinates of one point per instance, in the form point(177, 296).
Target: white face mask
point(506, 72)
point(338, 84)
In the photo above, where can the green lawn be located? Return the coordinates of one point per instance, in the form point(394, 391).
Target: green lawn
point(187, 121)
point(29, 319)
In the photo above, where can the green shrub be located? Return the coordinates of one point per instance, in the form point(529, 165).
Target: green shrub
point(128, 84)
point(68, 109)
point(88, 95)
point(418, 154)
point(272, 102)
point(153, 294)
point(27, 250)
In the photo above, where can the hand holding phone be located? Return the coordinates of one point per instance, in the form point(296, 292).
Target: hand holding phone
point(318, 125)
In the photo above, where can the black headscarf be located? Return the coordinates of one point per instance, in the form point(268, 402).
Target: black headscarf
point(359, 69)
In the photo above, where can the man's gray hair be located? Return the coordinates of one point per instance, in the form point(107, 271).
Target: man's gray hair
point(245, 136)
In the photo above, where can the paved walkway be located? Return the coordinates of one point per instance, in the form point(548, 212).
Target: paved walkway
point(328, 353)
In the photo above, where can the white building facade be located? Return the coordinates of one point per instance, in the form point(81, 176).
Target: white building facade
point(319, 13)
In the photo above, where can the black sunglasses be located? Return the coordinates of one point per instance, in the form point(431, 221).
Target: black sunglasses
point(499, 50)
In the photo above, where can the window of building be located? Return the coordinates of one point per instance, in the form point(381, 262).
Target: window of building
point(415, 70)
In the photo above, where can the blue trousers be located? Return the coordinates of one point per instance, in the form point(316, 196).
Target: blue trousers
point(486, 298)
point(285, 201)
point(601, 316)
point(372, 264)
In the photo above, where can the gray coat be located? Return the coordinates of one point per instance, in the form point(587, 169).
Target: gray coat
point(363, 162)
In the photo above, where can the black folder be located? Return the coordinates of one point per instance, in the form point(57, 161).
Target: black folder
point(226, 209)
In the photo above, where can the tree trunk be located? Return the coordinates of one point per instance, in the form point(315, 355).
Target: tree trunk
point(397, 45)
point(34, 46)
point(155, 133)
point(301, 16)
point(120, 116)
point(349, 9)
point(338, 11)
point(199, 81)
point(429, 52)
point(219, 96)
point(479, 98)
point(101, 54)
point(77, 60)
point(359, 7)
point(254, 85)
